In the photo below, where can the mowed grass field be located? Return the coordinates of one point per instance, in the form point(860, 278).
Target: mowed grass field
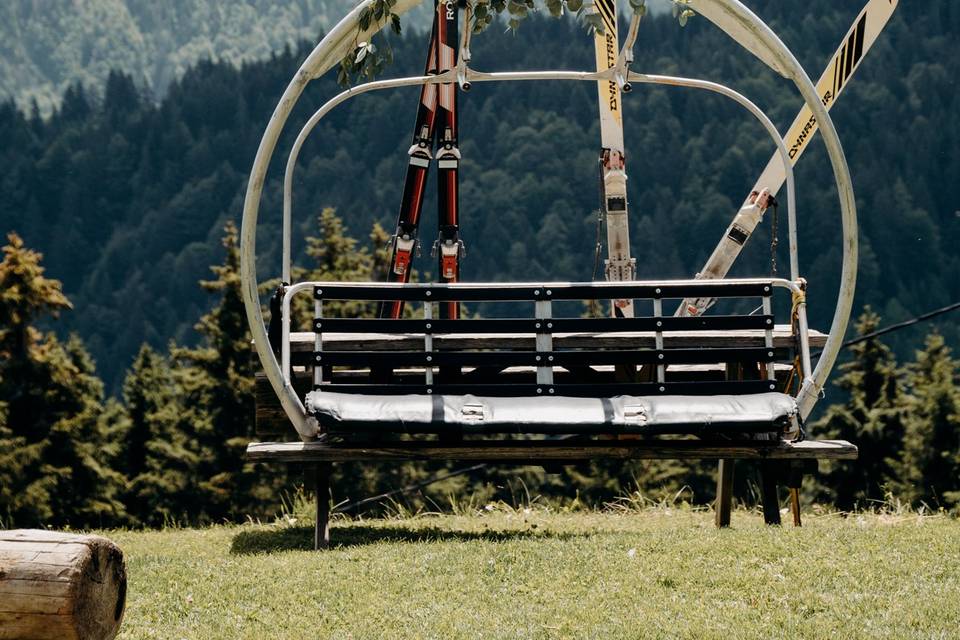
point(507, 573)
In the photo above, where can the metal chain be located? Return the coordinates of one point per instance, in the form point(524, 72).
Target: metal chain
point(598, 243)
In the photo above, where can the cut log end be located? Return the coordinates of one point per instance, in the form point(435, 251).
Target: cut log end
point(103, 595)
point(56, 585)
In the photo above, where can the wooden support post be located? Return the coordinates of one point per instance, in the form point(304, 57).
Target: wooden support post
point(321, 531)
point(795, 505)
point(794, 481)
point(724, 493)
point(721, 516)
point(768, 492)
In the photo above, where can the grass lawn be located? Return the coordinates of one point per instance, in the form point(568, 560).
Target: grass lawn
point(656, 573)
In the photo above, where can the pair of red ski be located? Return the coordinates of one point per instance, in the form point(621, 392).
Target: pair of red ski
point(435, 135)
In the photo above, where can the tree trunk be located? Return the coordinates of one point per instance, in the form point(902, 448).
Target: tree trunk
point(56, 585)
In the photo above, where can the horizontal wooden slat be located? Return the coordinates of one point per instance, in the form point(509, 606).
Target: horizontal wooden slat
point(598, 390)
point(545, 451)
point(533, 358)
point(782, 337)
point(533, 325)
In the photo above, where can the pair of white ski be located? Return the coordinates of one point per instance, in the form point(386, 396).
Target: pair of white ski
point(620, 265)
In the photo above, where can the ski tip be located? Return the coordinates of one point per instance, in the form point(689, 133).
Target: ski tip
point(890, 9)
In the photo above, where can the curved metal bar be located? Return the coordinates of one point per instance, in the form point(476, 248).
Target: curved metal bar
point(308, 127)
point(466, 74)
point(753, 34)
point(324, 56)
point(460, 75)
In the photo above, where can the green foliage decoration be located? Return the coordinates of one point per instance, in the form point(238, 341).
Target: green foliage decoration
point(368, 60)
point(681, 11)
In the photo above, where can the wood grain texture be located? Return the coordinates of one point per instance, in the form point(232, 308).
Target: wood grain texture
point(271, 421)
point(546, 451)
point(60, 586)
point(303, 341)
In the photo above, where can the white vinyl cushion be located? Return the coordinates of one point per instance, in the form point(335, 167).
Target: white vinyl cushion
point(346, 412)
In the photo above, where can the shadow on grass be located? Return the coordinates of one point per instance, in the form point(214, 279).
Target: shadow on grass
point(355, 535)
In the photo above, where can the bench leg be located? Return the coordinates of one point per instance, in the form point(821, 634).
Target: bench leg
point(768, 492)
point(321, 531)
point(793, 483)
point(724, 493)
point(795, 505)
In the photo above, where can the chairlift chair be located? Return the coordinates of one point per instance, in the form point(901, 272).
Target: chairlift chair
point(439, 387)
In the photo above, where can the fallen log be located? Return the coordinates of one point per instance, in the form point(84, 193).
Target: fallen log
point(57, 585)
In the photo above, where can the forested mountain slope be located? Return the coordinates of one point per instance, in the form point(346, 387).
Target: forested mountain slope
point(46, 45)
point(127, 198)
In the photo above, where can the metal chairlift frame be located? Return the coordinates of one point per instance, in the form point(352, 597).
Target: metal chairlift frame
point(731, 16)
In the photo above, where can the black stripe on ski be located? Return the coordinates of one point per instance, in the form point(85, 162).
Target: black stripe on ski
point(836, 75)
point(841, 62)
point(850, 55)
point(605, 11)
point(861, 34)
point(851, 43)
point(606, 6)
point(607, 23)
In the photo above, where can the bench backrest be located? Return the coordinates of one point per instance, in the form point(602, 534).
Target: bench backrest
point(547, 354)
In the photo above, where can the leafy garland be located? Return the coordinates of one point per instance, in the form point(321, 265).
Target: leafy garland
point(368, 60)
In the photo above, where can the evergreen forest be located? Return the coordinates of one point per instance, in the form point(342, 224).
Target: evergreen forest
point(126, 384)
point(49, 45)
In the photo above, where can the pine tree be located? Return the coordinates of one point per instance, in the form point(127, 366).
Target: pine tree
point(80, 453)
point(25, 297)
point(159, 445)
point(217, 381)
point(58, 450)
point(872, 418)
point(11, 467)
point(335, 256)
point(380, 240)
point(930, 467)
